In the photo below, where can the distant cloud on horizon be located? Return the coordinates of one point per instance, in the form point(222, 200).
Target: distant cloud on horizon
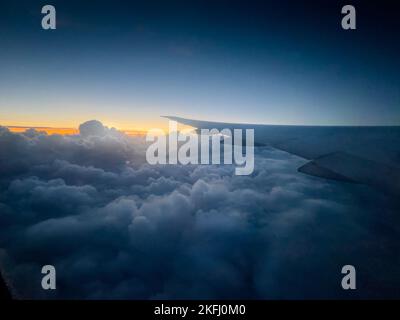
point(117, 228)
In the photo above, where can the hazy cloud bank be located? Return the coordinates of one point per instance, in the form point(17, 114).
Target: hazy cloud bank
point(116, 227)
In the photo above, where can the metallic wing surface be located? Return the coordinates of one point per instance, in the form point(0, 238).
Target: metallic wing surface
point(360, 154)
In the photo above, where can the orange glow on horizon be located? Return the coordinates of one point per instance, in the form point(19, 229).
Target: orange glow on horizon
point(136, 131)
point(69, 126)
point(48, 130)
point(67, 131)
point(72, 128)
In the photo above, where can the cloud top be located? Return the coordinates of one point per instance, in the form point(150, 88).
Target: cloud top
point(116, 227)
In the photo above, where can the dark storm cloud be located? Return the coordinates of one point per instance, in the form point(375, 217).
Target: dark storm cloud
point(115, 227)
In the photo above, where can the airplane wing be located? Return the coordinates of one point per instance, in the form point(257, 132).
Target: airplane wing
point(360, 154)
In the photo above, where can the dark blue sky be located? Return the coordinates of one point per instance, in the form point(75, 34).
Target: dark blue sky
point(127, 62)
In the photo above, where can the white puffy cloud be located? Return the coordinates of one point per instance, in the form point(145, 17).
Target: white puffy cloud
point(116, 227)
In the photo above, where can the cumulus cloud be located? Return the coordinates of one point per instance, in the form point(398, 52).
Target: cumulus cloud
point(116, 227)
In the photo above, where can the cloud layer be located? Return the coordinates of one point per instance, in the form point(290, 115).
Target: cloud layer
point(117, 228)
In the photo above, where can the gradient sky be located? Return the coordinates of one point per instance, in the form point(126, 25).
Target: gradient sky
point(126, 63)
